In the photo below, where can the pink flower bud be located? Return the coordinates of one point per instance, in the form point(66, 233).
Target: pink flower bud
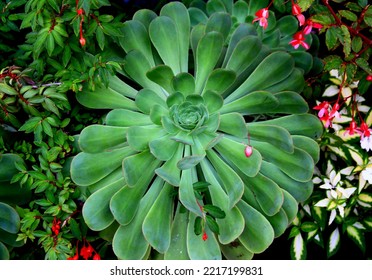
point(248, 150)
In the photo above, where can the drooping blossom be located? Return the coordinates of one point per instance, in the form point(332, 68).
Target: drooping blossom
point(261, 16)
point(322, 107)
point(310, 25)
point(299, 40)
point(352, 129)
point(296, 11)
point(86, 252)
point(96, 256)
point(366, 137)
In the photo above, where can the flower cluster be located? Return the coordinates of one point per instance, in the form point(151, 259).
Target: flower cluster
point(86, 252)
point(333, 116)
point(299, 38)
point(56, 226)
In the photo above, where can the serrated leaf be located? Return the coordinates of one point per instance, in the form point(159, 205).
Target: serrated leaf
point(368, 15)
point(348, 15)
point(332, 37)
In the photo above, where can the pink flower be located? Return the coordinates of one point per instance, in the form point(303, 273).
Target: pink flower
point(327, 120)
point(334, 112)
point(296, 11)
point(323, 108)
point(352, 128)
point(310, 25)
point(262, 16)
point(364, 129)
point(299, 39)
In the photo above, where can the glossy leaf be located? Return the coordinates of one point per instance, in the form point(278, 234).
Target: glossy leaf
point(9, 218)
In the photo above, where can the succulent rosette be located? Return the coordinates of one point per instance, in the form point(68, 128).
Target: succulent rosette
point(169, 172)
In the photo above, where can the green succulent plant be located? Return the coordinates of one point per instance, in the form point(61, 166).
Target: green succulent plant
point(208, 147)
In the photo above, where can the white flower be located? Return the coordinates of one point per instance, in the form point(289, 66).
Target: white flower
point(334, 179)
point(366, 143)
point(336, 199)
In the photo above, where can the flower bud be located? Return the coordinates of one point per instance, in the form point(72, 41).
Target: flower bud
point(248, 150)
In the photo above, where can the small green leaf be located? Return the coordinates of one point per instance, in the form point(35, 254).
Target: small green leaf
point(198, 225)
point(49, 44)
point(100, 36)
point(332, 37)
point(348, 15)
point(212, 224)
point(309, 226)
point(368, 14)
point(214, 211)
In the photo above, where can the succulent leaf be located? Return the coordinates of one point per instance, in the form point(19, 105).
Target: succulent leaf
point(209, 121)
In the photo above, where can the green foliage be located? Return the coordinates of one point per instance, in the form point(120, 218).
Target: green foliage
point(177, 135)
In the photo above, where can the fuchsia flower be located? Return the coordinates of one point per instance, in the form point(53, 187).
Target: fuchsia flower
point(352, 128)
point(262, 16)
point(323, 108)
point(310, 25)
point(296, 11)
point(299, 40)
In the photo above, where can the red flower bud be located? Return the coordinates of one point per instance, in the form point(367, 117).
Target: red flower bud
point(369, 78)
point(82, 41)
point(205, 236)
point(80, 12)
point(96, 256)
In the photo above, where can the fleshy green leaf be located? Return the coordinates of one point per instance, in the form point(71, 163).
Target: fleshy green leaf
point(96, 210)
point(9, 218)
point(157, 225)
point(258, 233)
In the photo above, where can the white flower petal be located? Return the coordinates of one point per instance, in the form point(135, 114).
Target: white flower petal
point(322, 203)
point(347, 170)
point(346, 193)
point(317, 180)
point(332, 217)
point(342, 211)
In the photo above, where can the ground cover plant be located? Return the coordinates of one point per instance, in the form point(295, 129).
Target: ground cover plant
point(192, 130)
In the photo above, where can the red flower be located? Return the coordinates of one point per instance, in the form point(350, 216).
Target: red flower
point(296, 11)
point(96, 256)
point(334, 112)
point(310, 25)
point(366, 132)
point(76, 257)
point(262, 16)
point(56, 226)
point(205, 236)
point(82, 41)
point(352, 128)
point(369, 78)
point(299, 39)
point(86, 252)
point(323, 108)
